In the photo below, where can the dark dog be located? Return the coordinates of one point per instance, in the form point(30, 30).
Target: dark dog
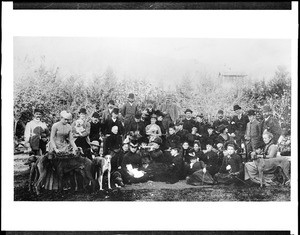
point(272, 163)
point(63, 165)
point(33, 175)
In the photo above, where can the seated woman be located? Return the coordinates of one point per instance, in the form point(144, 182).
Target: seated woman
point(209, 167)
point(223, 136)
point(131, 165)
point(269, 153)
point(284, 142)
point(231, 170)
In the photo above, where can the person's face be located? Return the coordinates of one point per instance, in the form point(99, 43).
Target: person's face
point(37, 116)
point(225, 130)
point(110, 106)
point(95, 148)
point(114, 115)
point(130, 100)
point(137, 119)
point(199, 119)
point(220, 146)
point(171, 131)
point(230, 150)
point(82, 116)
point(114, 130)
point(125, 147)
point(196, 147)
point(153, 120)
point(174, 152)
point(251, 118)
point(266, 139)
point(193, 160)
point(95, 120)
point(266, 114)
point(210, 131)
point(194, 130)
point(160, 118)
point(133, 149)
point(208, 147)
point(188, 115)
point(180, 127)
point(185, 145)
point(238, 112)
point(258, 151)
point(220, 116)
point(150, 107)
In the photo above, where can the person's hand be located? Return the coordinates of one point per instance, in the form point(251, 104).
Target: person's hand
point(228, 167)
point(204, 170)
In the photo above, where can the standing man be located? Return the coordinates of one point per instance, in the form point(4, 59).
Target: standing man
point(270, 123)
point(170, 109)
point(107, 113)
point(128, 111)
point(36, 134)
point(239, 124)
point(95, 127)
point(188, 122)
point(253, 134)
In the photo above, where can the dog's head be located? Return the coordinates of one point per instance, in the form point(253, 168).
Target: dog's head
point(255, 156)
point(30, 160)
point(108, 158)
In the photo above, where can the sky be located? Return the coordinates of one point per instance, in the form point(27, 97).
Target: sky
point(165, 60)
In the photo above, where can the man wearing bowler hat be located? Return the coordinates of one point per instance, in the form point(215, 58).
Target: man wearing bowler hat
point(188, 122)
point(239, 124)
point(128, 111)
point(270, 123)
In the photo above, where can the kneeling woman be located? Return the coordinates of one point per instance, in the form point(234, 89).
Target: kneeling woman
point(231, 170)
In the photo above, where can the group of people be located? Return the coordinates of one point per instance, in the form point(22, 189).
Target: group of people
point(155, 145)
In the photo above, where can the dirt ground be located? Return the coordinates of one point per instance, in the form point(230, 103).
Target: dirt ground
point(149, 191)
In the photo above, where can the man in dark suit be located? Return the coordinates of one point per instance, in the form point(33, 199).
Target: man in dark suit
point(239, 124)
point(253, 135)
point(128, 111)
point(188, 122)
point(270, 123)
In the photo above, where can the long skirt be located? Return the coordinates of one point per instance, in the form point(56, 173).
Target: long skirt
point(199, 178)
point(251, 172)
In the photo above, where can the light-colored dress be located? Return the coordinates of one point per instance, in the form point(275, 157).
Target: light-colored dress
point(61, 136)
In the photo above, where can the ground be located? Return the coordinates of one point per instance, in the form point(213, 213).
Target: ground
point(149, 191)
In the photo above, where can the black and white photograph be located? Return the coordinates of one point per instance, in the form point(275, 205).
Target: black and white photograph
point(149, 115)
point(152, 119)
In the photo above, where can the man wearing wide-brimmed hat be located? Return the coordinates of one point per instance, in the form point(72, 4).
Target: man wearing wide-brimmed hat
point(129, 109)
point(270, 123)
point(239, 124)
point(188, 122)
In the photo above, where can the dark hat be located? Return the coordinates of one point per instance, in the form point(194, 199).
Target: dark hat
point(176, 148)
point(230, 143)
point(172, 126)
point(220, 112)
point(96, 115)
point(157, 140)
point(111, 102)
point(82, 110)
point(134, 143)
point(209, 126)
point(251, 112)
point(188, 110)
point(236, 107)
point(210, 142)
point(158, 113)
point(200, 115)
point(197, 142)
point(131, 96)
point(38, 111)
point(154, 116)
point(267, 108)
point(115, 111)
point(95, 143)
point(222, 127)
point(138, 115)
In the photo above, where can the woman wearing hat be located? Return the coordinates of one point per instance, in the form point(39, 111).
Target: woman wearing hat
point(223, 136)
point(61, 138)
point(82, 139)
point(36, 133)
